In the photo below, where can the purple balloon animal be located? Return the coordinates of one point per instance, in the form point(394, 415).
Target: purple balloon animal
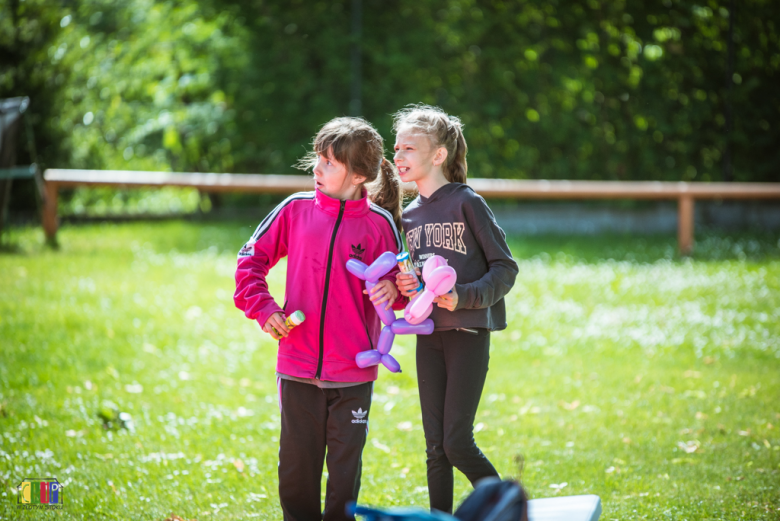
point(371, 274)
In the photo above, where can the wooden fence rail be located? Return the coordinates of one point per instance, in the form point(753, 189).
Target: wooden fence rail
point(684, 193)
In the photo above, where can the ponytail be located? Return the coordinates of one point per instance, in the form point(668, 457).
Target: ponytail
point(455, 167)
point(387, 192)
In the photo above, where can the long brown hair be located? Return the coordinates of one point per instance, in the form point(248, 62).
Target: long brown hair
point(443, 130)
point(356, 144)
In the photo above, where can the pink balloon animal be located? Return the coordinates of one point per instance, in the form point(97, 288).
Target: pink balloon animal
point(371, 274)
point(439, 279)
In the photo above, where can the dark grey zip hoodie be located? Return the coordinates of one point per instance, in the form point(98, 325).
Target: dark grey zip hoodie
point(456, 223)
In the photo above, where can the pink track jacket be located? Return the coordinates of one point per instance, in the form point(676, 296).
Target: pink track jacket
point(318, 234)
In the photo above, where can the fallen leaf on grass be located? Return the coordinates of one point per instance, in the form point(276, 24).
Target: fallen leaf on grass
point(381, 446)
point(558, 486)
point(744, 433)
point(569, 406)
point(239, 465)
point(690, 446)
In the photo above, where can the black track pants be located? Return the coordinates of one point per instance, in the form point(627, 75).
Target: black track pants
point(314, 420)
point(451, 370)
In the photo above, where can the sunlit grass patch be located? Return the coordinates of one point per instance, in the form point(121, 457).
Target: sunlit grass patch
point(626, 372)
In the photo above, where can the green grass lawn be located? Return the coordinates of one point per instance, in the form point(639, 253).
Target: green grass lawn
point(626, 372)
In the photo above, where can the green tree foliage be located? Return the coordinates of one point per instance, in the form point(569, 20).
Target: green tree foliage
point(598, 89)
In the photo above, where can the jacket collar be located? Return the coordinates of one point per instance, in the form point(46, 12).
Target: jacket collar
point(332, 206)
point(442, 191)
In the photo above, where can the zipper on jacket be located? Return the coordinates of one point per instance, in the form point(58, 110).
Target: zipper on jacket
point(325, 291)
point(370, 342)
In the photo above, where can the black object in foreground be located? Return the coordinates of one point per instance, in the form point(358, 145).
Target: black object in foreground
point(496, 500)
point(492, 500)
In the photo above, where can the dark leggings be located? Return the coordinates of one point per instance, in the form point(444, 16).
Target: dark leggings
point(451, 370)
point(314, 420)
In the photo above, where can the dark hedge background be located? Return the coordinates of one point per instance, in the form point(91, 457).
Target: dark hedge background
point(612, 89)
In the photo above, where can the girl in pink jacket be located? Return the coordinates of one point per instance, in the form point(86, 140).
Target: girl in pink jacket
point(354, 212)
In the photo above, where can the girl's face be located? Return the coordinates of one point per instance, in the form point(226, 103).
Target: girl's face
point(332, 178)
point(415, 157)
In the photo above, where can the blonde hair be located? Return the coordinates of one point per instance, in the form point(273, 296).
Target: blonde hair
point(443, 130)
point(357, 145)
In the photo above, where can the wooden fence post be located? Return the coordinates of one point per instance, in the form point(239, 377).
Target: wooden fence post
point(685, 224)
point(50, 213)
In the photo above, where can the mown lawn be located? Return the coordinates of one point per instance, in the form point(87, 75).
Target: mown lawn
point(626, 372)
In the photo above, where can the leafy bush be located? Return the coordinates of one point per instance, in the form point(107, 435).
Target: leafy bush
point(547, 89)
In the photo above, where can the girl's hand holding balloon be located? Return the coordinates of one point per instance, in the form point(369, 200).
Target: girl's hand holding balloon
point(384, 291)
point(276, 321)
point(407, 284)
point(448, 301)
